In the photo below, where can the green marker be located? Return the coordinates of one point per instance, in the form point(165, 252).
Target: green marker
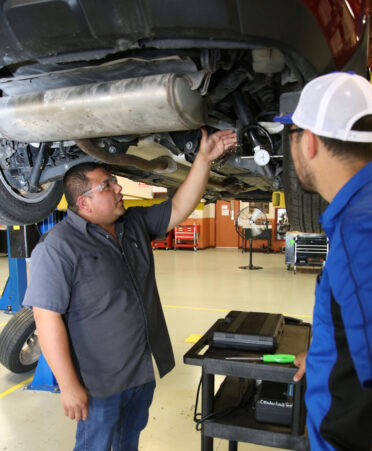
point(269, 358)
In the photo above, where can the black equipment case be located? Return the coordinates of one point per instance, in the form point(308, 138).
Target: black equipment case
point(251, 331)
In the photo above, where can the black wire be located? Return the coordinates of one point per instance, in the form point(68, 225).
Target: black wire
point(246, 131)
point(196, 414)
point(199, 420)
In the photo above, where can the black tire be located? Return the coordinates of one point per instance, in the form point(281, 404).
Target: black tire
point(19, 344)
point(17, 208)
point(303, 208)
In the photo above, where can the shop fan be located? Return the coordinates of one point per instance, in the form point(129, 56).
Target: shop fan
point(251, 226)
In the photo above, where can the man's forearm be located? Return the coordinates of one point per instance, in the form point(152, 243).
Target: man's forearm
point(191, 190)
point(55, 347)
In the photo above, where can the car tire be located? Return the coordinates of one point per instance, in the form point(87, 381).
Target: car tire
point(303, 208)
point(19, 344)
point(17, 208)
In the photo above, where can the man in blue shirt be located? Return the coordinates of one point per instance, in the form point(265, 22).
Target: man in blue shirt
point(331, 146)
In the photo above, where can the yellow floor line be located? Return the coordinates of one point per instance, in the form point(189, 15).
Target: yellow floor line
point(15, 387)
point(224, 310)
point(2, 324)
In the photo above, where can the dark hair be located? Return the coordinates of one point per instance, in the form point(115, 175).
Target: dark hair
point(351, 150)
point(75, 182)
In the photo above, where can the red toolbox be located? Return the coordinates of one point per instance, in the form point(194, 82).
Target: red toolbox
point(186, 236)
point(166, 243)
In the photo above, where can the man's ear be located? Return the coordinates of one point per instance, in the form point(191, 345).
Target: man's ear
point(311, 144)
point(82, 203)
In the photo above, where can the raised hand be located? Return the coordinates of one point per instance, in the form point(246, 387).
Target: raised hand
point(215, 145)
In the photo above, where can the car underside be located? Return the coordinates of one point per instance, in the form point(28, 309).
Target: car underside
point(131, 86)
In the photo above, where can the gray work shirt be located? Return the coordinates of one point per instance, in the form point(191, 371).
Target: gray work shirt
point(107, 294)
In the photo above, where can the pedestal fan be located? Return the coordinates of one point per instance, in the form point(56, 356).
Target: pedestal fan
point(251, 226)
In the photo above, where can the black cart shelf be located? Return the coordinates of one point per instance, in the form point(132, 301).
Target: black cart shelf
point(240, 424)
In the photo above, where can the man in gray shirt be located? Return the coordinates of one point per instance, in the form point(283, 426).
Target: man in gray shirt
point(95, 301)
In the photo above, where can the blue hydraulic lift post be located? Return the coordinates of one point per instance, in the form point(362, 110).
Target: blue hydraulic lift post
point(43, 379)
point(16, 284)
point(11, 301)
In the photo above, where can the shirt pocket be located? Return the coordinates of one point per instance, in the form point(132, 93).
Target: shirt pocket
point(138, 252)
point(98, 275)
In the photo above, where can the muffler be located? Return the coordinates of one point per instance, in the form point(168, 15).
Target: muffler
point(150, 104)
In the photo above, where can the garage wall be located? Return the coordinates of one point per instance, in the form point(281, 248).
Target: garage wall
point(136, 189)
point(204, 216)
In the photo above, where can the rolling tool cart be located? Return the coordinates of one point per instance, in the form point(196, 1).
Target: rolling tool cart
point(165, 243)
point(305, 249)
point(186, 236)
point(257, 402)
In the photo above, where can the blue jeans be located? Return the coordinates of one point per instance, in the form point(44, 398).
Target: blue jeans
point(115, 421)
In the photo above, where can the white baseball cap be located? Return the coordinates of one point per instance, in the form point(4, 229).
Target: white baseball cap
point(331, 104)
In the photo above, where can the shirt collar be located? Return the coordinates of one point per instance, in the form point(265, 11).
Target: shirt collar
point(82, 224)
point(343, 197)
point(79, 222)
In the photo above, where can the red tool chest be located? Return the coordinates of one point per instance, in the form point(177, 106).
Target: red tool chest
point(166, 243)
point(186, 236)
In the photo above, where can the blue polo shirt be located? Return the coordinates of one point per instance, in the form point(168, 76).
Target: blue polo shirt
point(339, 361)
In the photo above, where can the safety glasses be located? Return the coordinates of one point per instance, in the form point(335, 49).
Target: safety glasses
point(106, 185)
point(294, 130)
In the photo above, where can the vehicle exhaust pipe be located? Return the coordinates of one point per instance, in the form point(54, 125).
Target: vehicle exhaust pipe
point(159, 165)
point(151, 104)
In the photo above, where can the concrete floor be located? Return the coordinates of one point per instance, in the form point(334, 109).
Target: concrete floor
point(196, 289)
